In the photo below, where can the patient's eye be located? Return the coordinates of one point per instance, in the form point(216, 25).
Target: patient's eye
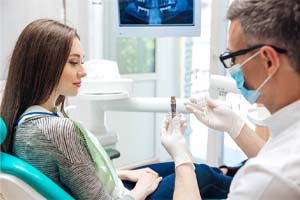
point(74, 62)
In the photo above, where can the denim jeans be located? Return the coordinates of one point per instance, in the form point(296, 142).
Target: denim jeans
point(211, 182)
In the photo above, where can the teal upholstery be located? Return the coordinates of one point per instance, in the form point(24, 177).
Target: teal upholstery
point(3, 131)
point(30, 175)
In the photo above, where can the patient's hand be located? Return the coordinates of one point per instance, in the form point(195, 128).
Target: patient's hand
point(145, 185)
point(134, 175)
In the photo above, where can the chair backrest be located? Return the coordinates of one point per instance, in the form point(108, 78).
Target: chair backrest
point(3, 131)
point(17, 175)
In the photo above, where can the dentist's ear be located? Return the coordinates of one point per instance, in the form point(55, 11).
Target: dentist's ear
point(271, 59)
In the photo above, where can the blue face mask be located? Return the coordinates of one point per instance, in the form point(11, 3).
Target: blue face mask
point(236, 73)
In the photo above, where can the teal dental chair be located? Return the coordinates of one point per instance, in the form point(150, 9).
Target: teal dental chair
point(20, 180)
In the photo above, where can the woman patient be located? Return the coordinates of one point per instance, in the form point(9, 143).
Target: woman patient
point(45, 67)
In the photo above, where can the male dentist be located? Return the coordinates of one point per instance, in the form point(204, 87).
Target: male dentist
point(263, 58)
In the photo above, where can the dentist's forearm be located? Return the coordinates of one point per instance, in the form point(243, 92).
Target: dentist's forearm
point(249, 141)
point(186, 186)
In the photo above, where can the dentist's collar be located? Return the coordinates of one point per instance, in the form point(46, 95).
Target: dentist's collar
point(283, 118)
point(258, 115)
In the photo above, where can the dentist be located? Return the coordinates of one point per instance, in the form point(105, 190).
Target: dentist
point(263, 58)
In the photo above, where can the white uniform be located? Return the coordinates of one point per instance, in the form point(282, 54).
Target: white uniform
point(275, 172)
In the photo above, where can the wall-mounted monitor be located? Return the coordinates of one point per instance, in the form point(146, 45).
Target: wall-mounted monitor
point(157, 18)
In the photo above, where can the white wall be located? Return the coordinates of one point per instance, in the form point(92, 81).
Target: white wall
point(139, 139)
point(1, 42)
point(77, 17)
point(15, 15)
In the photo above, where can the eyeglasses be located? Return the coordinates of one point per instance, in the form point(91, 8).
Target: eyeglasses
point(228, 59)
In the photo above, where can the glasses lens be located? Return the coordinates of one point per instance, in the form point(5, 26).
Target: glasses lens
point(229, 62)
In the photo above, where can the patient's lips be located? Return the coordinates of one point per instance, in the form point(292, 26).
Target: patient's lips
point(77, 84)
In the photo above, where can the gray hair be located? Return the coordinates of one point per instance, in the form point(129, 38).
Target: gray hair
point(275, 22)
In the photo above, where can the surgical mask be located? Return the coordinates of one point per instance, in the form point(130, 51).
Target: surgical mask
point(236, 73)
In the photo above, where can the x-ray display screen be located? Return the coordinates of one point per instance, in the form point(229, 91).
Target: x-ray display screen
point(156, 12)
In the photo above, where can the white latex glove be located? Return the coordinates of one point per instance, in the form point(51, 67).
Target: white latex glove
point(216, 115)
point(172, 138)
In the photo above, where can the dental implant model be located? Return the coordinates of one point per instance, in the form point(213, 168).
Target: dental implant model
point(173, 106)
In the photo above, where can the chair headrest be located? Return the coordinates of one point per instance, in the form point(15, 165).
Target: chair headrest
point(3, 130)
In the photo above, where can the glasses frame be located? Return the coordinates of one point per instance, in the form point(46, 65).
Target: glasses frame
point(227, 55)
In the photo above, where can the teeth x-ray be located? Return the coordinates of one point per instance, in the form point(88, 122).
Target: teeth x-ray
point(156, 12)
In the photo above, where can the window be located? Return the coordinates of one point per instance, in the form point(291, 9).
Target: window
point(136, 55)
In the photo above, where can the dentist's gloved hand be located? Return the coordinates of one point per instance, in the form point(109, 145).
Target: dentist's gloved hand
point(216, 115)
point(172, 138)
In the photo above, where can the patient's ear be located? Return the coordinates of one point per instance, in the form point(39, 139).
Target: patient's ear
point(271, 60)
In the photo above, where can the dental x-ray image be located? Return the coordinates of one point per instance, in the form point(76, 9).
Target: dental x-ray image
point(156, 12)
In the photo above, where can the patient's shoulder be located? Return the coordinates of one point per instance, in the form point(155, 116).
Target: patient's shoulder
point(58, 125)
point(50, 126)
point(59, 131)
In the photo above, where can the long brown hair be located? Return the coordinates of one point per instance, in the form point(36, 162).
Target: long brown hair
point(35, 68)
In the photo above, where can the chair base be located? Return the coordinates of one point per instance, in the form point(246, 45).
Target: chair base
point(12, 187)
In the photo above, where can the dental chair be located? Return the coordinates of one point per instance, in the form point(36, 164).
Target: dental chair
point(20, 180)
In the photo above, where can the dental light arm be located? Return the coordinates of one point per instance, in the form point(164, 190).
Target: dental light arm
point(220, 86)
point(142, 104)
